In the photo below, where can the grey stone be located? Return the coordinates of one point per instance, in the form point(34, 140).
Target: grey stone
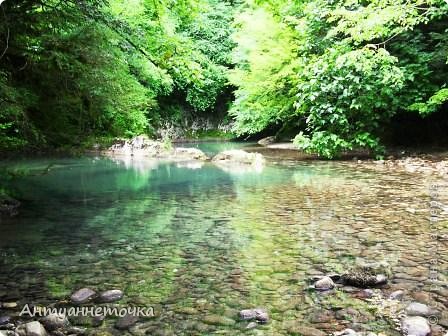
point(419, 309)
point(110, 296)
point(397, 295)
point(247, 314)
point(324, 284)
point(54, 321)
point(416, 326)
point(82, 295)
point(76, 331)
point(237, 156)
point(126, 322)
point(252, 325)
point(346, 332)
point(261, 315)
point(5, 320)
point(35, 329)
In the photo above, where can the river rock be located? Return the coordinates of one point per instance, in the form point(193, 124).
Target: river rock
point(126, 322)
point(54, 321)
point(247, 314)
point(218, 320)
point(259, 314)
point(34, 328)
point(419, 309)
point(346, 332)
point(416, 326)
point(5, 320)
point(76, 331)
point(82, 295)
point(324, 284)
point(252, 325)
point(237, 156)
point(364, 279)
point(267, 141)
point(111, 295)
point(9, 305)
point(190, 154)
point(396, 295)
point(305, 331)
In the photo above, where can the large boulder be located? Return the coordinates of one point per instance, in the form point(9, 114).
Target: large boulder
point(237, 156)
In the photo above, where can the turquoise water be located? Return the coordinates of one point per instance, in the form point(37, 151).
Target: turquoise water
point(199, 243)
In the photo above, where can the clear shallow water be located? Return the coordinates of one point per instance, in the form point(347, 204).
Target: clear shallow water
point(199, 244)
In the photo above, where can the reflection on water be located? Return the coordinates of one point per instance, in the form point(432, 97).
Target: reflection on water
point(199, 243)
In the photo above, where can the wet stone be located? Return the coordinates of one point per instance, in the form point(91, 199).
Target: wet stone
point(396, 295)
point(110, 296)
point(5, 320)
point(126, 322)
point(416, 326)
point(324, 284)
point(54, 321)
point(418, 309)
point(82, 295)
point(218, 320)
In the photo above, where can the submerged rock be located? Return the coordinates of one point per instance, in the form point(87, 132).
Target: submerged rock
point(54, 321)
point(82, 295)
point(5, 320)
point(34, 328)
point(305, 331)
point(110, 296)
point(218, 320)
point(259, 314)
point(363, 278)
point(419, 309)
point(324, 284)
point(346, 332)
point(237, 156)
point(396, 295)
point(126, 322)
point(416, 326)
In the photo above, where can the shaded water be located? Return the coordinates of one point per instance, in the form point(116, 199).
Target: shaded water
point(199, 244)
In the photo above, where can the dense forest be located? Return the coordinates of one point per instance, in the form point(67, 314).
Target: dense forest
point(334, 75)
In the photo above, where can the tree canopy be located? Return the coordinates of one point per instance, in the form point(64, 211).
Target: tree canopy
point(334, 72)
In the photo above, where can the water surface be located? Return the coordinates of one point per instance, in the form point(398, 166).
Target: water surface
point(199, 243)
